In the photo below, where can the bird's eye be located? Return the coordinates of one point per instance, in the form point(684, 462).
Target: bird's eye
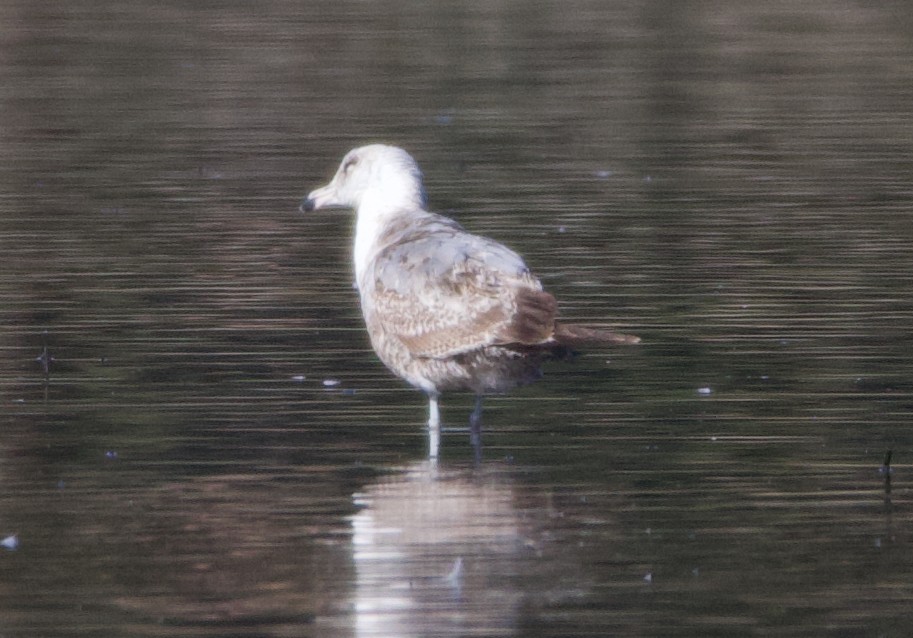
point(352, 161)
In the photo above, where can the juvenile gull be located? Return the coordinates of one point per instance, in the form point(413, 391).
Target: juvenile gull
point(445, 309)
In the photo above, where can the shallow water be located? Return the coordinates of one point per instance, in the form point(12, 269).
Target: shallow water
point(215, 450)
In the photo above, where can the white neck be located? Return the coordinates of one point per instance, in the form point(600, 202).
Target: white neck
point(374, 214)
point(367, 231)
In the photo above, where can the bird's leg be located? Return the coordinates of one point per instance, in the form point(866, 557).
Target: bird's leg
point(434, 426)
point(475, 428)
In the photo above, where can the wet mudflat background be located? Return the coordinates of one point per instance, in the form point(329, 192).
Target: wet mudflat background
point(215, 451)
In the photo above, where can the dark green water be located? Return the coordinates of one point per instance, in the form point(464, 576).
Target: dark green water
point(731, 181)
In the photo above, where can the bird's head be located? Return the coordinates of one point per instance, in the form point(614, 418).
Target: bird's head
point(376, 177)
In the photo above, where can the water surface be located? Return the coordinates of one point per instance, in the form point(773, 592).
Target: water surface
point(215, 450)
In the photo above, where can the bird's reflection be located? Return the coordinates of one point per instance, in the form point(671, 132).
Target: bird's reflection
point(435, 547)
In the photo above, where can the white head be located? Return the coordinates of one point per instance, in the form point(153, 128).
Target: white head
point(375, 179)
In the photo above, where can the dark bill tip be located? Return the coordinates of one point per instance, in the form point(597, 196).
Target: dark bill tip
point(307, 205)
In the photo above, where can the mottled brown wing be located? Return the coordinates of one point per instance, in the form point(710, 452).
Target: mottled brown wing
point(442, 292)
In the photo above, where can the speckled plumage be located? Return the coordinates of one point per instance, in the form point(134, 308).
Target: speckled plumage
point(441, 305)
point(445, 309)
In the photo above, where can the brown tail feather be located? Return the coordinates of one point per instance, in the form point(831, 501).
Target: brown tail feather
point(573, 335)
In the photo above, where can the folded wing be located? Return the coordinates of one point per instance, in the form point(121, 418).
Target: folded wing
point(442, 291)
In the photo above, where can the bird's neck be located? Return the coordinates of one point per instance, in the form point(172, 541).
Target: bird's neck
point(367, 231)
point(375, 215)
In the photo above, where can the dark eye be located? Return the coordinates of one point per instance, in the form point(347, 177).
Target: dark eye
point(349, 163)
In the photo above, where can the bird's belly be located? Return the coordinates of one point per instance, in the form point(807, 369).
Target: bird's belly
point(487, 370)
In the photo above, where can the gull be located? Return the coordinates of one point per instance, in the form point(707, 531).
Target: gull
point(446, 310)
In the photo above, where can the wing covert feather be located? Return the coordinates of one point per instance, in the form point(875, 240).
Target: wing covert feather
point(442, 291)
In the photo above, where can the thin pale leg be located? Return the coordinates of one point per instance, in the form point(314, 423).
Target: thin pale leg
point(434, 427)
point(475, 428)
